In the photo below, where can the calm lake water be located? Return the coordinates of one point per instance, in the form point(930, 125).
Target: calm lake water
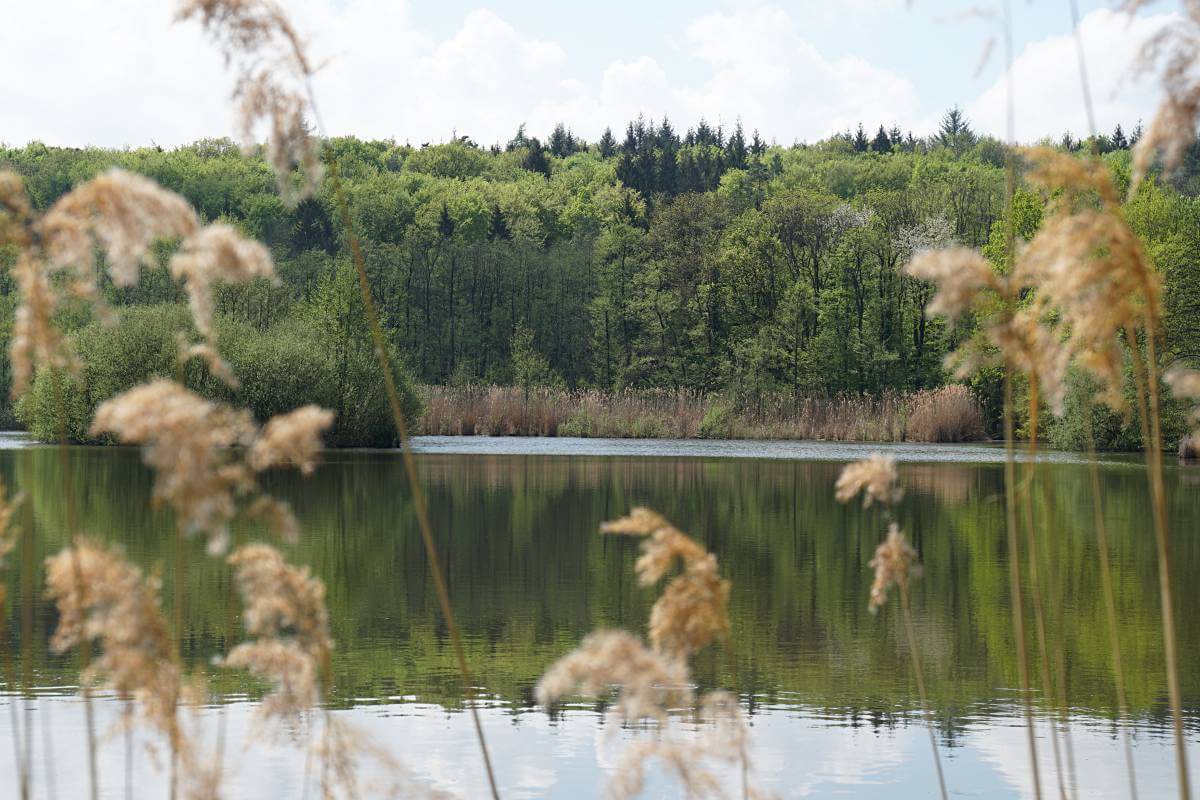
point(827, 685)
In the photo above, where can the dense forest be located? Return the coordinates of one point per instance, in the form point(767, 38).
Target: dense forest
point(708, 260)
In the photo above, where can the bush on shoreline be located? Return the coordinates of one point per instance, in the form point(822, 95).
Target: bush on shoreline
point(293, 362)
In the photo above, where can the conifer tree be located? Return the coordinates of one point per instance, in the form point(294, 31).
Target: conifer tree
point(860, 140)
point(881, 143)
point(607, 144)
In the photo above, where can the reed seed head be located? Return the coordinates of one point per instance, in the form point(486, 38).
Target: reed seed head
point(723, 737)
point(217, 253)
point(36, 342)
point(874, 477)
point(218, 367)
point(1185, 385)
point(692, 611)
point(291, 439)
point(1088, 267)
point(694, 607)
point(960, 274)
point(894, 563)
point(254, 33)
point(284, 609)
point(1173, 53)
point(187, 440)
point(120, 213)
point(102, 597)
point(648, 682)
point(343, 749)
point(8, 531)
point(15, 209)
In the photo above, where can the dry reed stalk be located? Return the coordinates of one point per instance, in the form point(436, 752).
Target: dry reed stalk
point(895, 564)
point(101, 597)
point(1025, 494)
point(949, 414)
point(275, 83)
point(19, 761)
point(1093, 469)
point(85, 645)
point(1146, 378)
point(411, 471)
point(9, 534)
point(1009, 468)
point(1110, 605)
point(1014, 579)
point(1176, 51)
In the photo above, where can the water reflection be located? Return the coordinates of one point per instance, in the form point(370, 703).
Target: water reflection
point(826, 682)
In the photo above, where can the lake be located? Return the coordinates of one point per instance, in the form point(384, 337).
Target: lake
point(826, 685)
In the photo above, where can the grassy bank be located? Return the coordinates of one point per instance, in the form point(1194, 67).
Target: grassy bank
point(949, 414)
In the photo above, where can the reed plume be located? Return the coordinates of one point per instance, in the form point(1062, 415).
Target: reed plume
point(188, 442)
point(895, 564)
point(274, 71)
point(1089, 268)
point(1185, 385)
point(9, 533)
point(874, 477)
point(102, 598)
point(284, 609)
point(693, 609)
point(120, 215)
point(1172, 52)
point(205, 455)
point(217, 253)
point(292, 439)
point(967, 283)
point(651, 682)
point(345, 748)
point(725, 739)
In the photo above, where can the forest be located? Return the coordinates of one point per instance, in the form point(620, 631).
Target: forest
point(708, 262)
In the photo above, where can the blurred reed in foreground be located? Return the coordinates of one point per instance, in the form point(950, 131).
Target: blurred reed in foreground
point(653, 683)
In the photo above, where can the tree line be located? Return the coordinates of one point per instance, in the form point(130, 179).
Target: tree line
point(710, 260)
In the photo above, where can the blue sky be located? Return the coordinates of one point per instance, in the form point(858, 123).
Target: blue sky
point(120, 73)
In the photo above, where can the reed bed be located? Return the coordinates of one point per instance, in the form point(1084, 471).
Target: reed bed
point(948, 414)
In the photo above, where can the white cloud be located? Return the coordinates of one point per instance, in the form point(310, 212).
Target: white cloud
point(119, 73)
point(767, 72)
point(1048, 95)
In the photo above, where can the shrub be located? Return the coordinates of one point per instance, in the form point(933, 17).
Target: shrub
point(717, 422)
point(290, 364)
point(140, 345)
point(949, 414)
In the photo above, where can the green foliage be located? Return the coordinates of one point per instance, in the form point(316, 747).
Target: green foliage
point(529, 367)
point(693, 259)
point(139, 346)
point(309, 358)
point(717, 422)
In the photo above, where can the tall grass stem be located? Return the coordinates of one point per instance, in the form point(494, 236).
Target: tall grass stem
point(410, 468)
point(918, 673)
point(1014, 581)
